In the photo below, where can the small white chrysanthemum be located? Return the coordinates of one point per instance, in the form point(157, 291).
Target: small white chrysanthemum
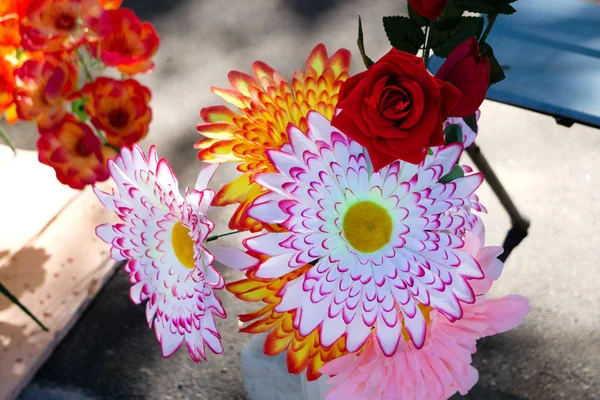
point(381, 242)
point(162, 234)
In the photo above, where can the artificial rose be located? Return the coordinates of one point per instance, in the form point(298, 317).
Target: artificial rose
point(470, 73)
point(395, 109)
point(430, 9)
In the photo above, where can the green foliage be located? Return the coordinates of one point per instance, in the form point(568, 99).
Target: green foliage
point(403, 33)
point(471, 122)
point(78, 109)
point(496, 71)
point(4, 136)
point(444, 41)
point(449, 18)
point(454, 134)
point(361, 45)
point(457, 172)
point(486, 6)
point(4, 290)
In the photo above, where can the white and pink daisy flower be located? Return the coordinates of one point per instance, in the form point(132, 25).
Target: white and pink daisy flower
point(381, 242)
point(443, 365)
point(162, 234)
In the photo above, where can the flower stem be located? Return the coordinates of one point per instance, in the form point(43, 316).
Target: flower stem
point(215, 237)
point(86, 69)
point(12, 298)
point(8, 141)
point(488, 28)
point(426, 50)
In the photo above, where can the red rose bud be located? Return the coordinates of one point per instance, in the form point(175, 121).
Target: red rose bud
point(430, 9)
point(470, 73)
point(395, 109)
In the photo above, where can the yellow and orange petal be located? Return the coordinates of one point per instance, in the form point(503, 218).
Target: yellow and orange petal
point(303, 353)
point(119, 108)
point(267, 103)
point(126, 42)
point(10, 38)
point(75, 153)
point(41, 87)
point(7, 84)
point(57, 25)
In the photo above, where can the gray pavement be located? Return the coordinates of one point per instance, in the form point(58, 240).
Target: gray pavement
point(551, 171)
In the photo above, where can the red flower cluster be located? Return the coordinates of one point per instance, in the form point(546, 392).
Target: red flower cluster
point(45, 45)
point(396, 108)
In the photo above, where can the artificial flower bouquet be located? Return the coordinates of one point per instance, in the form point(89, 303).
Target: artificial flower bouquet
point(365, 248)
point(69, 66)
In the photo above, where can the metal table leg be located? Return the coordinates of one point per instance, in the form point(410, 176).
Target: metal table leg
point(520, 224)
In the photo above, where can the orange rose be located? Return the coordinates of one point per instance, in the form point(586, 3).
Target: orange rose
point(126, 42)
point(75, 153)
point(119, 108)
point(41, 89)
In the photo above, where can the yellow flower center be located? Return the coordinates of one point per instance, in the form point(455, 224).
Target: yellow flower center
point(183, 245)
point(367, 226)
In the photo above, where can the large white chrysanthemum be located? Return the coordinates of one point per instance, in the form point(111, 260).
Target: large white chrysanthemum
point(162, 234)
point(381, 243)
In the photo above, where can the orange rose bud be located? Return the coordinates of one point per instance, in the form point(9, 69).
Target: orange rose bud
point(470, 73)
point(75, 153)
point(119, 108)
point(126, 42)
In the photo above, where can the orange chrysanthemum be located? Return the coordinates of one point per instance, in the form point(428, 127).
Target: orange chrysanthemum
point(302, 352)
point(126, 42)
point(119, 108)
point(268, 103)
point(75, 153)
point(41, 89)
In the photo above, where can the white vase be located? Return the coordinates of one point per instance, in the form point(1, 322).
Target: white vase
point(267, 378)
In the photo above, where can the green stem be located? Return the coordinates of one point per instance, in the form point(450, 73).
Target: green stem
point(426, 50)
point(215, 237)
point(86, 69)
point(8, 141)
point(12, 298)
point(488, 28)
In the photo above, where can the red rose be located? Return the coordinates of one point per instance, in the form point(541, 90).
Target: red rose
point(430, 9)
point(395, 109)
point(470, 73)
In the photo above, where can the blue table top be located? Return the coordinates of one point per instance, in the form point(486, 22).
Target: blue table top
point(551, 53)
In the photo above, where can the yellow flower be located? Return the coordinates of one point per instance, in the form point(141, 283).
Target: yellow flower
point(267, 104)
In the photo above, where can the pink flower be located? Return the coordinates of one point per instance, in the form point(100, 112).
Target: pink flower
point(443, 365)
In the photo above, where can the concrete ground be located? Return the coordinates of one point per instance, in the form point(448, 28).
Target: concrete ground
point(551, 171)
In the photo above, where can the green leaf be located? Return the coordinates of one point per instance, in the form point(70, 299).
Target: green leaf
point(454, 134)
point(416, 17)
point(4, 290)
point(8, 141)
point(449, 18)
point(457, 172)
point(443, 42)
point(77, 107)
point(471, 122)
point(429, 152)
point(361, 46)
point(403, 33)
point(496, 70)
point(486, 6)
